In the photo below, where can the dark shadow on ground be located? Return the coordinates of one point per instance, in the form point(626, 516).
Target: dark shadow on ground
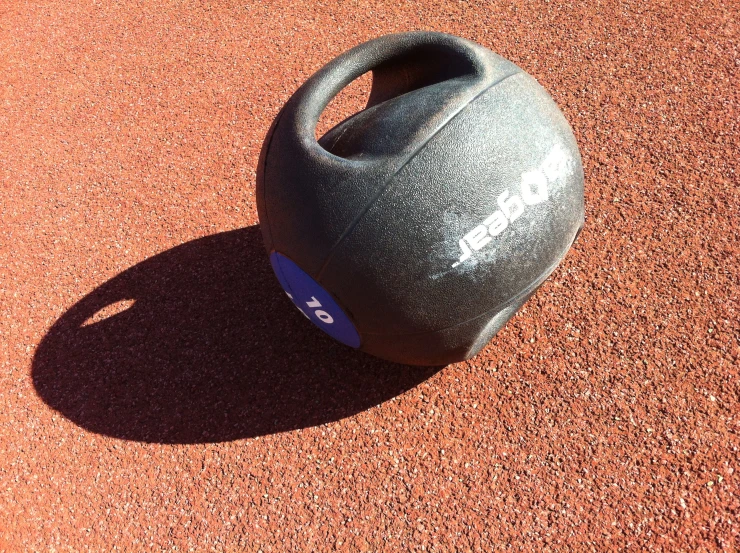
point(211, 350)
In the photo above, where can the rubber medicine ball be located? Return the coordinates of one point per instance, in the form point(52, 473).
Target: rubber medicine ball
point(416, 228)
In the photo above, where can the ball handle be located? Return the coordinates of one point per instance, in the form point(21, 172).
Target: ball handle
point(432, 57)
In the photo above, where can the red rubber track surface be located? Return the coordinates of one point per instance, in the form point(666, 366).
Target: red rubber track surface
point(210, 416)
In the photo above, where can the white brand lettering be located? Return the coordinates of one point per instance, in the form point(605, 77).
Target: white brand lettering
point(533, 189)
point(537, 180)
point(323, 316)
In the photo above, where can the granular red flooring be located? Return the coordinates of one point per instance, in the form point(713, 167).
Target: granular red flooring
point(210, 415)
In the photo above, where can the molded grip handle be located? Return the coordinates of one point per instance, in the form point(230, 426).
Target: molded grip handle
point(435, 57)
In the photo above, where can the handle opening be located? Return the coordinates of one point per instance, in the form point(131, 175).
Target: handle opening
point(352, 99)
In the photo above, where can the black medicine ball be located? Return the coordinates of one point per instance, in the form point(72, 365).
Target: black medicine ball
point(416, 228)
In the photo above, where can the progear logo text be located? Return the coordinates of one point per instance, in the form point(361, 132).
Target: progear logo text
point(532, 191)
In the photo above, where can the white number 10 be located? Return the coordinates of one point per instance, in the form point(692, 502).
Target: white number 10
point(322, 315)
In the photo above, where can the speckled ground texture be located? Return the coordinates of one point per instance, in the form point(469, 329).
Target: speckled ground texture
point(209, 415)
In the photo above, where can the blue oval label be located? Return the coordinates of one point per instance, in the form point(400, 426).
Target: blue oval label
point(313, 301)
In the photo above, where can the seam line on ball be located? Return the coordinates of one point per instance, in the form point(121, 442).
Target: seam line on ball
point(387, 184)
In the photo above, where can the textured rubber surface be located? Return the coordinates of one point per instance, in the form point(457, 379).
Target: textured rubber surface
point(603, 416)
point(390, 211)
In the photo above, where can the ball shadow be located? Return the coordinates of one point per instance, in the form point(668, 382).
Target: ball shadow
point(210, 350)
